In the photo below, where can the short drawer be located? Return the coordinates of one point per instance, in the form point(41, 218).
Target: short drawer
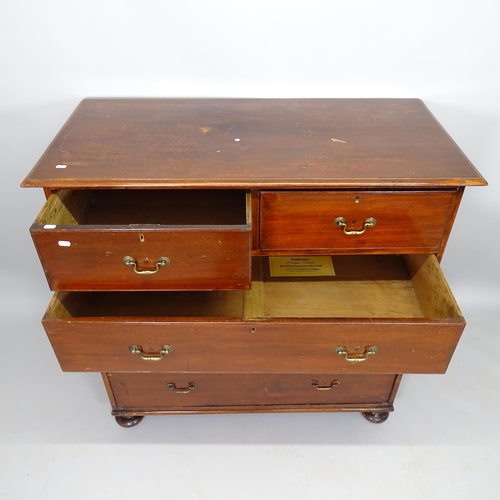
point(355, 221)
point(378, 314)
point(174, 390)
point(145, 240)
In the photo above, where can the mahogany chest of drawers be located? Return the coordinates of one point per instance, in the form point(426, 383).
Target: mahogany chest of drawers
point(250, 255)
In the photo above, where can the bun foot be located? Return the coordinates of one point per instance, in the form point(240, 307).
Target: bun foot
point(376, 417)
point(129, 421)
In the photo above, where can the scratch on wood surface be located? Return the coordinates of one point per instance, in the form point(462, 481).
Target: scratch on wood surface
point(338, 140)
point(62, 144)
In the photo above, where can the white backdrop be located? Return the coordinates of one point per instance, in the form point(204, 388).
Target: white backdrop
point(56, 52)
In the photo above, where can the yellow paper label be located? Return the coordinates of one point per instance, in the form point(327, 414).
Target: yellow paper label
point(314, 265)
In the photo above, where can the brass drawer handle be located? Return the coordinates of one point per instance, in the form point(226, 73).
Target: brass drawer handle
point(342, 351)
point(334, 383)
point(340, 222)
point(186, 390)
point(161, 262)
point(165, 349)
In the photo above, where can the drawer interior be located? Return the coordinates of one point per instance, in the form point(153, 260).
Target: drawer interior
point(81, 305)
point(375, 286)
point(146, 206)
point(370, 286)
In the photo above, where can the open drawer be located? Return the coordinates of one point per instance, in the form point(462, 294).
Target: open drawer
point(378, 314)
point(137, 239)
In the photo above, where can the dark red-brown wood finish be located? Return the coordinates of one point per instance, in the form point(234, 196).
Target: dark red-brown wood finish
point(177, 390)
point(161, 216)
point(405, 221)
point(280, 347)
point(285, 143)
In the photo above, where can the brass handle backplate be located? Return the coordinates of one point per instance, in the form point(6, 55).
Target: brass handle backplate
point(334, 383)
point(165, 349)
point(185, 390)
point(342, 351)
point(340, 222)
point(161, 262)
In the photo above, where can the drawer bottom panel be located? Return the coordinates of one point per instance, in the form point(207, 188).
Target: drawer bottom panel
point(183, 390)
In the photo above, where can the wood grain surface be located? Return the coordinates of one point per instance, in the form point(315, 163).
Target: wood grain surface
point(252, 143)
point(211, 389)
point(82, 236)
point(411, 221)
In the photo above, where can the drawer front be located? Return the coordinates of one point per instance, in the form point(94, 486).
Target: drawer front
point(136, 239)
point(375, 221)
point(208, 389)
point(343, 346)
point(93, 259)
point(280, 326)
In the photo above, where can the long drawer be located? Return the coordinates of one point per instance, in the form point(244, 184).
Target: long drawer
point(146, 390)
point(355, 221)
point(378, 314)
point(145, 240)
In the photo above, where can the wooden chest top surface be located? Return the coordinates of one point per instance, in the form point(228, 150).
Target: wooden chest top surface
point(252, 143)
